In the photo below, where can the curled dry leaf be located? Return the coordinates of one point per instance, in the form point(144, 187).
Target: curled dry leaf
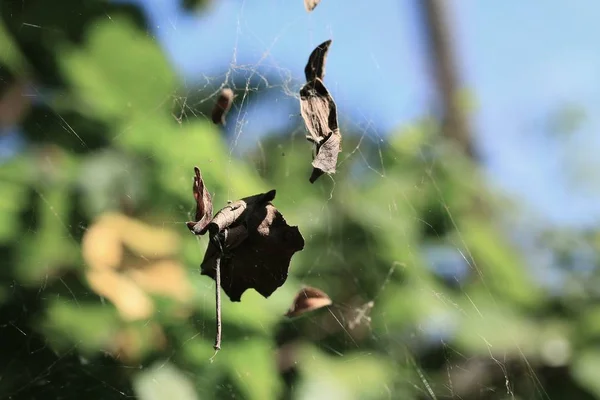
point(204, 207)
point(315, 67)
point(222, 106)
point(231, 213)
point(327, 154)
point(311, 4)
point(258, 245)
point(319, 112)
point(308, 299)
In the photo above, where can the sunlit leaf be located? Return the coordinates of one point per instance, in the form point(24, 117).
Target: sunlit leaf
point(354, 376)
point(162, 381)
point(111, 87)
point(257, 379)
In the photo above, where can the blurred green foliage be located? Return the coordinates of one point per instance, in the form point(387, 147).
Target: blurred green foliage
point(106, 140)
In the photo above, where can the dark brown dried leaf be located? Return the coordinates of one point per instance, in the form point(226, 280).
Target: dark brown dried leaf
point(319, 112)
point(311, 4)
point(204, 207)
point(315, 68)
point(258, 246)
point(308, 299)
point(222, 106)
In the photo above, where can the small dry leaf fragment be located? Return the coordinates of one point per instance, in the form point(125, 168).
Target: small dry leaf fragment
point(315, 67)
point(319, 111)
point(222, 106)
point(308, 299)
point(258, 245)
point(204, 207)
point(326, 159)
point(311, 4)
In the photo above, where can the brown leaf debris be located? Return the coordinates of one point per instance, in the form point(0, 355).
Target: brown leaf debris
point(204, 206)
point(315, 67)
point(253, 242)
point(319, 111)
point(311, 4)
point(308, 299)
point(258, 246)
point(222, 106)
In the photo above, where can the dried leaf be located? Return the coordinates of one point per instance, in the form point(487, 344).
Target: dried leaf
point(308, 299)
point(130, 300)
point(319, 112)
point(222, 106)
point(311, 4)
point(258, 245)
point(250, 246)
point(326, 158)
point(129, 260)
point(232, 212)
point(101, 247)
point(164, 277)
point(204, 206)
point(315, 68)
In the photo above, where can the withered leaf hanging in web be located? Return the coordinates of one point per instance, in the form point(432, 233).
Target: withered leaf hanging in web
point(311, 4)
point(251, 245)
point(319, 112)
point(308, 299)
point(257, 245)
point(204, 207)
point(315, 67)
point(222, 106)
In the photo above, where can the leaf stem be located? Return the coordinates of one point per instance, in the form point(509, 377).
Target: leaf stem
point(218, 301)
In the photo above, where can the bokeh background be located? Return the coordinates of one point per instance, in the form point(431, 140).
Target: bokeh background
point(458, 239)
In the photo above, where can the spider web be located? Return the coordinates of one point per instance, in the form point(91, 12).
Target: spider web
point(351, 329)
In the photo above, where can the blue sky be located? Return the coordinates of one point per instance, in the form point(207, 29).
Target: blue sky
point(523, 60)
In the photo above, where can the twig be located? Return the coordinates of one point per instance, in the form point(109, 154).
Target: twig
point(217, 240)
point(218, 300)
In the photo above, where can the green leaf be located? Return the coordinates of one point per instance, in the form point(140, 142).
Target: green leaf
point(12, 201)
point(177, 150)
point(356, 375)
point(107, 178)
point(90, 327)
point(252, 365)
point(493, 327)
point(9, 52)
point(50, 246)
point(162, 381)
point(500, 266)
point(120, 72)
point(585, 370)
